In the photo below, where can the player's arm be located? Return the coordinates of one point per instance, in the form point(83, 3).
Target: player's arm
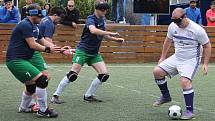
point(96, 31)
point(46, 42)
point(207, 55)
point(205, 42)
point(166, 46)
point(116, 39)
point(36, 46)
point(48, 39)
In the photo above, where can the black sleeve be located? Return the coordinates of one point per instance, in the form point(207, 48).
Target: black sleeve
point(66, 21)
point(77, 15)
point(23, 13)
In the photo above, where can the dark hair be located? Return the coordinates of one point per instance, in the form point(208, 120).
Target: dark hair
point(44, 7)
point(59, 11)
point(33, 6)
point(212, 2)
point(102, 6)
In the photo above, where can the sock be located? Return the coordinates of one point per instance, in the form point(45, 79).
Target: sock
point(26, 100)
point(188, 97)
point(162, 84)
point(42, 98)
point(63, 83)
point(93, 87)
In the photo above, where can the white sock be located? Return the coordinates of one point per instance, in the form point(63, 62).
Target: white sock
point(42, 98)
point(63, 83)
point(26, 100)
point(93, 87)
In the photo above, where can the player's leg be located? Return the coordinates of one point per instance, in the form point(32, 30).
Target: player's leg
point(78, 61)
point(25, 72)
point(101, 69)
point(188, 92)
point(165, 68)
point(38, 62)
point(187, 71)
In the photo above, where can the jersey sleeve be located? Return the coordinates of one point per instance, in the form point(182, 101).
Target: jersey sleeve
point(27, 30)
point(170, 33)
point(48, 31)
point(90, 21)
point(202, 37)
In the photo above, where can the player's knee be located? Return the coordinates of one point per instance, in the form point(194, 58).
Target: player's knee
point(31, 89)
point(72, 76)
point(103, 77)
point(42, 82)
point(186, 82)
point(158, 72)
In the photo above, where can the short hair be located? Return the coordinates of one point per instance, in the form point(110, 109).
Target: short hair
point(33, 6)
point(212, 2)
point(59, 11)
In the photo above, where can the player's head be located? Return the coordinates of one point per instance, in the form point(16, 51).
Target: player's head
point(213, 5)
point(57, 14)
point(192, 3)
point(179, 17)
point(34, 13)
point(101, 7)
point(71, 5)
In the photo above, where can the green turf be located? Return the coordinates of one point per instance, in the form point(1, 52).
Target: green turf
point(128, 95)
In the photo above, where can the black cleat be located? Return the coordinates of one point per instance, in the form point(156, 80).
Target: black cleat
point(91, 99)
point(49, 113)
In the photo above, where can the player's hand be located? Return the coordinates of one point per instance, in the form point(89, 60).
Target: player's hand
point(55, 49)
point(161, 60)
point(65, 48)
point(205, 69)
point(69, 52)
point(120, 40)
point(114, 34)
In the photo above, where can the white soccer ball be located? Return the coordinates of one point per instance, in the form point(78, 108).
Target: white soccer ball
point(175, 112)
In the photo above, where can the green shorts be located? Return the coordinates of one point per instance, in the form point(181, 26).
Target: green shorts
point(82, 57)
point(25, 70)
point(38, 61)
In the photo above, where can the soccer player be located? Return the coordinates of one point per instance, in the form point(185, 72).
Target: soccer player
point(24, 41)
point(188, 38)
point(87, 52)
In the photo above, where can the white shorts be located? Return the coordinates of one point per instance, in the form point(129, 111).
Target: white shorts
point(173, 66)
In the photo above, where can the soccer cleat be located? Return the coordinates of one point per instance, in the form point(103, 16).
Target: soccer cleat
point(23, 110)
point(187, 115)
point(49, 113)
point(91, 99)
point(161, 101)
point(55, 100)
point(35, 107)
point(31, 109)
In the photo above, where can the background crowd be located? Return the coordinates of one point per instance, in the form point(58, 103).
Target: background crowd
point(77, 9)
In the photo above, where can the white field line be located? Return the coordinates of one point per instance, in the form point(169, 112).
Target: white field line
point(136, 91)
point(154, 96)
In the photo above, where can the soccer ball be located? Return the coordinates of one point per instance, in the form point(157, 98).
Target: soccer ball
point(175, 112)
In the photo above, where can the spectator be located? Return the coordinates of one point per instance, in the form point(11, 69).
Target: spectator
point(24, 9)
point(115, 13)
point(47, 8)
point(72, 16)
point(194, 13)
point(9, 13)
point(210, 15)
